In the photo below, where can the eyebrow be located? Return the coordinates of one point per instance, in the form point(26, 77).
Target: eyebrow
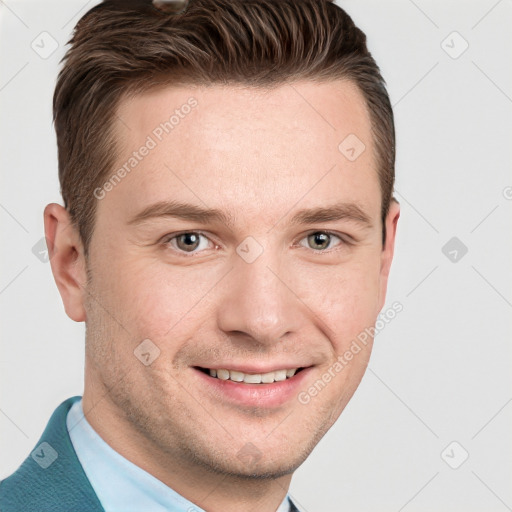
point(194, 213)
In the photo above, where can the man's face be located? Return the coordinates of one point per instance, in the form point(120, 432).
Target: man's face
point(255, 295)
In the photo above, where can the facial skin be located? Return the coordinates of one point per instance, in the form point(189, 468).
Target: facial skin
point(260, 156)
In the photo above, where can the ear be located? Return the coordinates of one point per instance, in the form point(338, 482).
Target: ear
point(388, 250)
point(65, 251)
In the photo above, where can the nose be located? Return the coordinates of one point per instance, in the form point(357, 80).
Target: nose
point(258, 301)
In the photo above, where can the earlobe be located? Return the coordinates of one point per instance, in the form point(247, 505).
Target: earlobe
point(388, 250)
point(67, 259)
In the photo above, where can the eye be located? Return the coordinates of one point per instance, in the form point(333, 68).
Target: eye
point(191, 242)
point(186, 242)
point(319, 241)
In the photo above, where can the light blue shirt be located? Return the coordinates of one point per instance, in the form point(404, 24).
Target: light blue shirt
point(120, 485)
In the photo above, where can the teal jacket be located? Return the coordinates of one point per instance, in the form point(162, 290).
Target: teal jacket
point(51, 478)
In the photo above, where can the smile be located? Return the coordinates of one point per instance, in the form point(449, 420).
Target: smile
point(263, 388)
point(252, 378)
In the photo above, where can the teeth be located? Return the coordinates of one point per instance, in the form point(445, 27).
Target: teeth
point(253, 378)
point(236, 376)
point(223, 374)
point(280, 375)
point(268, 378)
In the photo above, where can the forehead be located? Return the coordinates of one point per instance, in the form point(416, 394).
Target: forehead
point(246, 147)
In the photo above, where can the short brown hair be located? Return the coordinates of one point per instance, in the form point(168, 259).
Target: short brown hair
point(123, 47)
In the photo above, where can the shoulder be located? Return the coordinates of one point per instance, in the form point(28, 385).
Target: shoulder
point(51, 477)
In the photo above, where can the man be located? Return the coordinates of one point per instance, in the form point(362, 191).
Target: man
point(227, 233)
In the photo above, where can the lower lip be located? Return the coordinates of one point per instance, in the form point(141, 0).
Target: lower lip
point(255, 395)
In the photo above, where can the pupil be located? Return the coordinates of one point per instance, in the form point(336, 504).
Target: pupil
point(322, 238)
point(191, 240)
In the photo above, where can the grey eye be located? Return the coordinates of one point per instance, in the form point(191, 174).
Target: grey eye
point(319, 240)
point(187, 241)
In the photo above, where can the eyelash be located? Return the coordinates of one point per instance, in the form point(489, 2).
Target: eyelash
point(343, 241)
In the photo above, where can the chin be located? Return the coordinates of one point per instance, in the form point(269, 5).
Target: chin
point(262, 471)
point(249, 463)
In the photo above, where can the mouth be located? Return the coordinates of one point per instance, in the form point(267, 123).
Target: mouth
point(267, 390)
point(251, 378)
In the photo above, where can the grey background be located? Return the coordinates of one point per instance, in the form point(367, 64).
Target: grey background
point(440, 371)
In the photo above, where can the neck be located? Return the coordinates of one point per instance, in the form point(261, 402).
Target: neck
point(210, 490)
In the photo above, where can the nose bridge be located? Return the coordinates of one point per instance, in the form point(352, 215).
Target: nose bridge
point(257, 301)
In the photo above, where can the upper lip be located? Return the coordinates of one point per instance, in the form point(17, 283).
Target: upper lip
point(252, 368)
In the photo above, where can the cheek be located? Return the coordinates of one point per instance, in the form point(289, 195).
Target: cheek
point(154, 299)
point(345, 299)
